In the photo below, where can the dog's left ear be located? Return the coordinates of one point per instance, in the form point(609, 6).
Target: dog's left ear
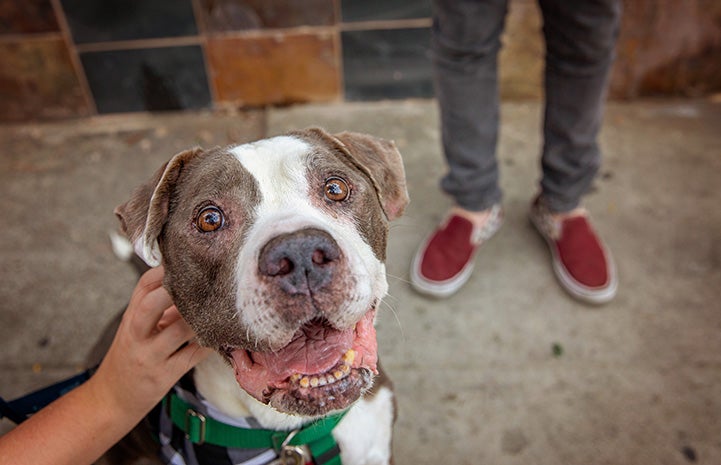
point(383, 162)
point(143, 216)
point(380, 159)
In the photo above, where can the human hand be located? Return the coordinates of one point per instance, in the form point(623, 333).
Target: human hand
point(148, 354)
point(152, 349)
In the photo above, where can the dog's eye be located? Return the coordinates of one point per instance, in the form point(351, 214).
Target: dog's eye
point(210, 219)
point(336, 189)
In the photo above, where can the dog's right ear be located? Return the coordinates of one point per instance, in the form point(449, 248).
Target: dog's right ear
point(143, 216)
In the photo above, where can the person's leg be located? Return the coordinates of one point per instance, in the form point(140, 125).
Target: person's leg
point(466, 41)
point(580, 43)
point(580, 47)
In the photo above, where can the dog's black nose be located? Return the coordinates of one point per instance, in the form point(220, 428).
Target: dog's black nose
point(301, 262)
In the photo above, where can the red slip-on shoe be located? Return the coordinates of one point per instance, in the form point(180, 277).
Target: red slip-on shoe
point(581, 262)
point(444, 261)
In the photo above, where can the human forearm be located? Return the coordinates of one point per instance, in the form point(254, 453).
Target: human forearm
point(75, 429)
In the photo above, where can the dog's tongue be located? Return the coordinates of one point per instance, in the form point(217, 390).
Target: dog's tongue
point(315, 349)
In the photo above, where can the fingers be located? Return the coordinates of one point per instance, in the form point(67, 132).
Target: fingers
point(151, 279)
point(170, 315)
point(173, 336)
point(186, 355)
point(152, 315)
point(148, 303)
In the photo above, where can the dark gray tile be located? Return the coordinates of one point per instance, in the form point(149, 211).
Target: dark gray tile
point(112, 20)
point(375, 10)
point(387, 64)
point(170, 78)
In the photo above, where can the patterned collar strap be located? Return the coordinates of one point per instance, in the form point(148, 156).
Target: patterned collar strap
point(200, 429)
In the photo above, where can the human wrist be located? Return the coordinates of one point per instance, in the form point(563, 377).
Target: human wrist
point(117, 406)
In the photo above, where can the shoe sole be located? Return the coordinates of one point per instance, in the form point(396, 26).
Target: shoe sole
point(596, 296)
point(439, 289)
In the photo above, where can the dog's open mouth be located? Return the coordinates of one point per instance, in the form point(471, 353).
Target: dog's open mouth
point(322, 369)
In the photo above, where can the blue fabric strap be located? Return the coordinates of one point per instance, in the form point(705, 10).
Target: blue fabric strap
point(22, 408)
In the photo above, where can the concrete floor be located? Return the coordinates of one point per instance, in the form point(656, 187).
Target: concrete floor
point(477, 378)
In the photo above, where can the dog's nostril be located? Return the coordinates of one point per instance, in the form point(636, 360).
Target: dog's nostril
point(320, 257)
point(286, 266)
point(277, 267)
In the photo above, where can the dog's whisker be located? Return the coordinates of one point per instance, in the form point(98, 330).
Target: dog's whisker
point(391, 297)
point(395, 316)
point(398, 278)
point(406, 222)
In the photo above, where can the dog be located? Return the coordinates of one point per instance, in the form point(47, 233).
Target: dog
point(274, 253)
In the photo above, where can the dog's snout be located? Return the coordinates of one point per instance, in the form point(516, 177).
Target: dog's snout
point(300, 262)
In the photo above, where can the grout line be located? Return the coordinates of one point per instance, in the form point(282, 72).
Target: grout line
point(387, 24)
point(256, 33)
point(204, 35)
point(200, 24)
point(74, 56)
point(365, 25)
point(138, 44)
point(338, 44)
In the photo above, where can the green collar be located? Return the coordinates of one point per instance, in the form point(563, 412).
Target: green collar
point(200, 429)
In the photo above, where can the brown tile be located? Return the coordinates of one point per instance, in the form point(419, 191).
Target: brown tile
point(238, 15)
point(278, 69)
point(521, 63)
point(668, 50)
point(27, 16)
point(37, 80)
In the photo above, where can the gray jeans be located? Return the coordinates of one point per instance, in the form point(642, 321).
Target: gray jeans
point(580, 40)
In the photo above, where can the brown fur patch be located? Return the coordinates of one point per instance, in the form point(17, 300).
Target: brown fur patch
point(199, 266)
point(362, 205)
point(378, 158)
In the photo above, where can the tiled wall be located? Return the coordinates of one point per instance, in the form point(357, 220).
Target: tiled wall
point(65, 58)
point(81, 57)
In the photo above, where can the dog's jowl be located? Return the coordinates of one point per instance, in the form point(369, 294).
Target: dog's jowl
point(274, 253)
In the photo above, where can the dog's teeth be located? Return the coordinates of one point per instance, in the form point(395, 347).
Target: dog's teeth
point(349, 356)
point(342, 370)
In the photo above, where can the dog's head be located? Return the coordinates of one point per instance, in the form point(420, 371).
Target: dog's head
point(274, 254)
